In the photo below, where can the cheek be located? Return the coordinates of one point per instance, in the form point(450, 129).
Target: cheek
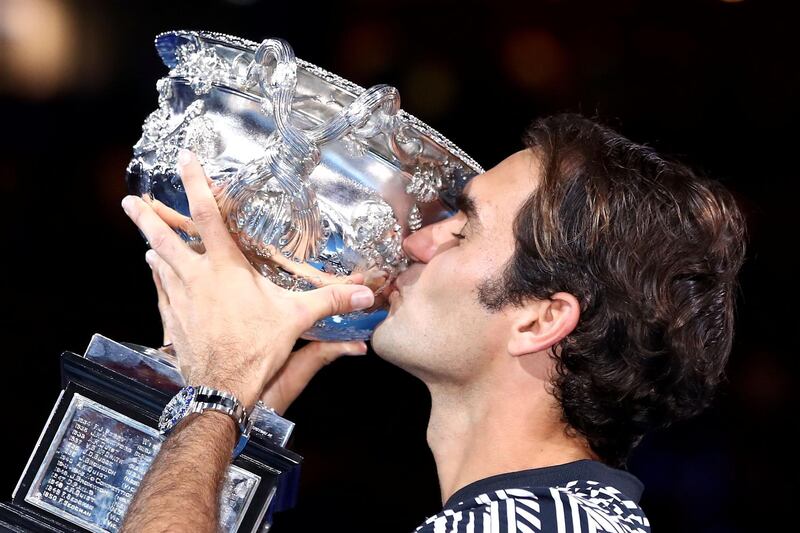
point(451, 280)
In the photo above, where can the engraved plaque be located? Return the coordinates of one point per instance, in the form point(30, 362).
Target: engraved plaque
point(237, 492)
point(96, 462)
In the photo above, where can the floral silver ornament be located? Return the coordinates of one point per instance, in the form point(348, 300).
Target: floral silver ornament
point(200, 65)
point(414, 219)
point(426, 182)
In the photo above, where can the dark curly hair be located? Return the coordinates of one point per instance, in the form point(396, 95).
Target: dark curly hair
point(651, 251)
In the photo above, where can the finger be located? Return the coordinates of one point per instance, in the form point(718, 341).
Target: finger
point(163, 308)
point(169, 246)
point(301, 367)
point(175, 219)
point(309, 273)
point(333, 299)
point(171, 284)
point(375, 279)
point(180, 222)
point(169, 323)
point(203, 207)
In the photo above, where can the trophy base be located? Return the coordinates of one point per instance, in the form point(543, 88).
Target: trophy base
point(100, 440)
point(20, 520)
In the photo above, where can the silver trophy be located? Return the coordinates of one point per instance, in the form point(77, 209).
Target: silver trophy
point(316, 177)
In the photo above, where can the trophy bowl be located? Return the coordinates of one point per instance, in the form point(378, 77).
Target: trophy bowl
point(317, 179)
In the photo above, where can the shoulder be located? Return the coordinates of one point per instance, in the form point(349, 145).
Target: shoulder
point(577, 506)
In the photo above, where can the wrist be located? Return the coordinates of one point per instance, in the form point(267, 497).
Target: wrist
point(246, 382)
point(246, 393)
point(198, 399)
point(222, 423)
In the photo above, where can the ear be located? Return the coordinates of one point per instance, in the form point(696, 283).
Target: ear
point(542, 323)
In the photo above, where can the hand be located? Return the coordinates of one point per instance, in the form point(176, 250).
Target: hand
point(302, 365)
point(231, 328)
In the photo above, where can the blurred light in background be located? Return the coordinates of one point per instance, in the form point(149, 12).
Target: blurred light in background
point(38, 47)
point(534, 59)
point(429, 90)
point(365, 50)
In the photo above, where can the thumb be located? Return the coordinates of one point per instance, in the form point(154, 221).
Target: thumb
point(335, 299)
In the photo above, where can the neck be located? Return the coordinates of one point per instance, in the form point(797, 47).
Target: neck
point(474, 435)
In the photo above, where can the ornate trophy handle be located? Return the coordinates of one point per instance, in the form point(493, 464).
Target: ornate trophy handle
point(373, 112)
point(292, 222)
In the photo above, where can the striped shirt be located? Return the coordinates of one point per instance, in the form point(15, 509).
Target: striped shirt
point(579, 497)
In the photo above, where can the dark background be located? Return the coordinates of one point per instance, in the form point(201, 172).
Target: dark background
point(714, 83)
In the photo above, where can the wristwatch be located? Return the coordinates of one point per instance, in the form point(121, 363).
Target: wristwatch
point(196, 399)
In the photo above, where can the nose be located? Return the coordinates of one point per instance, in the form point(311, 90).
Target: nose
point(426, 242)
point(419, 246)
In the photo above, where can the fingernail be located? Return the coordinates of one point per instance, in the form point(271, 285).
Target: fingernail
point(127, 203)
point(184, 157)
point(362, 299)
point(355, 348)
point(150, 257)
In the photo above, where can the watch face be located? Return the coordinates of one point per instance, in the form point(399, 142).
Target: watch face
point(176, 409)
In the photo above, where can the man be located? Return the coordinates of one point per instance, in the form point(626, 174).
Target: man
point(582, 295)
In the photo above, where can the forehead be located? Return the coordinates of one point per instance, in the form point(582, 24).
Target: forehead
point(503, 188)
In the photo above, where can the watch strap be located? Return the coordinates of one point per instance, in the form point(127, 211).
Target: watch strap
point(207, 398)
point(198, 399)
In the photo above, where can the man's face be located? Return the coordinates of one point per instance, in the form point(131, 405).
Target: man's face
point(436, 328)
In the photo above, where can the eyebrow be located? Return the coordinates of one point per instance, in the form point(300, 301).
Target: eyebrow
point(466, 205)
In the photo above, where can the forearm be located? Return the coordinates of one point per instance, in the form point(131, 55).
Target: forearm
point(181, 490)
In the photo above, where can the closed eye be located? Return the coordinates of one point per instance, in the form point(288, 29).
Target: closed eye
point(460, 235)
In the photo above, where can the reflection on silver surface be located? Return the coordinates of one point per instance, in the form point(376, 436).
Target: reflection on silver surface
point(97, 460)
point(317, 178)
